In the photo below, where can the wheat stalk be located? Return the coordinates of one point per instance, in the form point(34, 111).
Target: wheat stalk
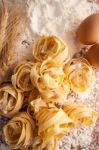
point(3, 24)
point(8, 50)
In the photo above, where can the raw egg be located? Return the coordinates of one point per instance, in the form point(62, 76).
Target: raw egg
point(93, 55)
point(88, 30)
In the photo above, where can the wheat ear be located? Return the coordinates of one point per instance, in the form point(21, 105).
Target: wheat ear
point(7, 60)
point(3, 24)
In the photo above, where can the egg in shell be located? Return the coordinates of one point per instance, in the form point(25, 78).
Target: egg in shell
point(93, 55)
point(88, 30)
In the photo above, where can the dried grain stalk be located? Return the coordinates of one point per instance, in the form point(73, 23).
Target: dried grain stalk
point(3, 23)
point(12, 36)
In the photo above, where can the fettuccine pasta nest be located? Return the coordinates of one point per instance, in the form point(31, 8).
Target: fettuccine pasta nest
point(53, 123)
point(49, 79)
point(21, 77)
point(79, 74)
point(51, 46)
point(80, 113)
point(47, 75)
point(19, 131)
point(11, 100)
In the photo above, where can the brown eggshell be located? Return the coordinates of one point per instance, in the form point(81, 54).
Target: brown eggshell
point(88, 30)
point(93, 55)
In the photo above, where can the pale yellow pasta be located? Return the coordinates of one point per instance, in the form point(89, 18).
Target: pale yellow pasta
point(79, 74)
point(19, 131)
point(57, 95)
point(80, 113)
point(11, 100)
point(36, 105)
point(53, 123)
point(21, 77)
point(47, 75)
point(51, 46)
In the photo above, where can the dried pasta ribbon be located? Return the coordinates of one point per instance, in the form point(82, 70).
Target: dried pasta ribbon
point(21, 78)
point(80, 113)
point(18, 132)
point(47, 75)
point(35, 105)
point(11, 100)
point(57, 95)
point(50, 46)
point(33, 95)
point(79, 74)
point(53, 123)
